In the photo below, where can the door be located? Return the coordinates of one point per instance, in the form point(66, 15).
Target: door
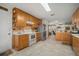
point(5, 39)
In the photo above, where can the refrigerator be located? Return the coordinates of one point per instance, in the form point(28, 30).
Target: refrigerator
point(42, 30)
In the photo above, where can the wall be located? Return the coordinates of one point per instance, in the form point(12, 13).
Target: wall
point(5, 29)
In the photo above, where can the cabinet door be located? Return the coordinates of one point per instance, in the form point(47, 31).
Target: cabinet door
point(77, 17)
point(21, 38)
point(25, 41)
point(66, 38)
point(16, 42)
point(77, 47)
point(35, 22)
point(20, 42)
point(74, 18)
point(74, 44)
point(38, 37)
point(28, 19)
point(59, 36)
point(20, 21)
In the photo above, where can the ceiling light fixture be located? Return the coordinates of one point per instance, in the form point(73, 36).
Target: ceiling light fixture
point(46, 6)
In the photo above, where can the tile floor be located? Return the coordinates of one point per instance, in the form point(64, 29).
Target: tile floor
point(48, 47)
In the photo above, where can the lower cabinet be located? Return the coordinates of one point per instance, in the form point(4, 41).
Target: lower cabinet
point(65, 37)
point(20, 41)
point(59, 36)
point(38, 36)
point(75, 45)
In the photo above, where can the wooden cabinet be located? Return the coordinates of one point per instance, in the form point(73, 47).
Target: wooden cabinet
point(75, 45)
point(65, 37)
point(38, 36)
point(59, 36)
point(37, 22)
point(20, 19)
point(75, 17)
point(20, 41)
point(33, 19)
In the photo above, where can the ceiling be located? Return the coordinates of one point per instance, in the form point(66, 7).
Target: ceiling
point(61, 11)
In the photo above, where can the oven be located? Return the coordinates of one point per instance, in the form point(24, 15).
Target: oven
point(32, 39)
point(32, 36)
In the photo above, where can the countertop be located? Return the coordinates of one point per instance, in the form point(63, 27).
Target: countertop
point(75, 35)
point(21, 33)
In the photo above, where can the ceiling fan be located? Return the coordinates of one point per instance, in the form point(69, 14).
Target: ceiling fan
point(3, 8)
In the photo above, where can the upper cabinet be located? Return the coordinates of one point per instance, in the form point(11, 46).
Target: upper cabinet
point(36, 22)
point(75, 17)
point(19, 19)
point(22, 19)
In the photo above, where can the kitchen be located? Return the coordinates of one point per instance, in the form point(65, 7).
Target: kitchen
point(29, 27)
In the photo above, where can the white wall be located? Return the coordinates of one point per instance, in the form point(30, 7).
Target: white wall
point(5, 29)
